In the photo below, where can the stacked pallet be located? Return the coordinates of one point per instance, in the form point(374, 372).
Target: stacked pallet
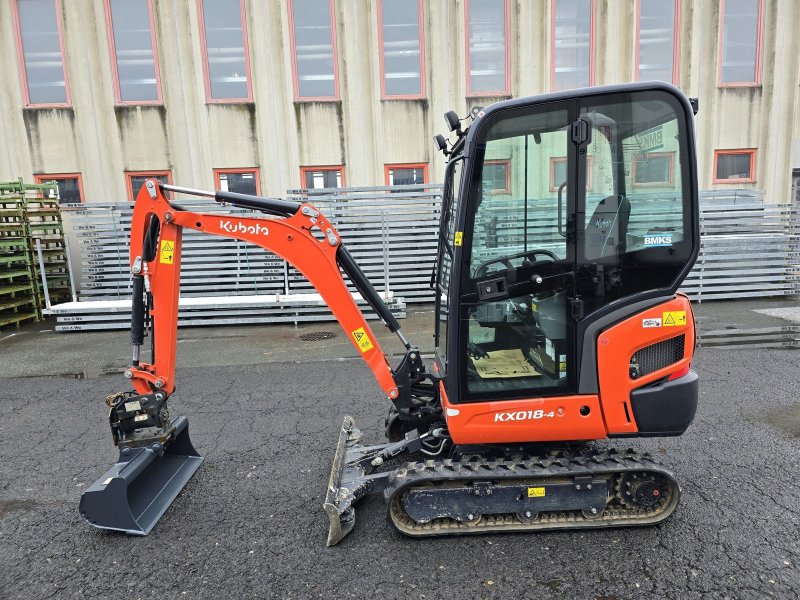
point(31, 240)
point(18, 299)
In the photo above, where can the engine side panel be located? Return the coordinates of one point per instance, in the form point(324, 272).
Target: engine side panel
point(618, 344)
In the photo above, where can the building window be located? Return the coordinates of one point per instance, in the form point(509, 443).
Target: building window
point(487, 47)
point(313, 38)
point(41, 45)
point(406, 174)
point(735, 166)
point(240, 181)
point(315, 178)
point(572, 49)
point(655, 169)
point(497, 176)
point(223, 32)
point(136, 179)
point(558, 172)
point(402, 51)
point(740, 44)
point(70, 186)
point(133, 51)
point(657, 40)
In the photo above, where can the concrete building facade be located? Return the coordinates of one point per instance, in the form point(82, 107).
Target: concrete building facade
point(270, 95)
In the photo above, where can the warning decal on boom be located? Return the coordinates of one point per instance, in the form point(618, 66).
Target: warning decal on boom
point(362, 339)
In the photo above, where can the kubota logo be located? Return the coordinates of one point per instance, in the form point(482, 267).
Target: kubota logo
point(239, 227)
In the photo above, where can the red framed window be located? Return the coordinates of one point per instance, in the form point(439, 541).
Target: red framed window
point(135, 180)
point(314, 178)
point(657, 40)
point(497, 176)
point(735, 166)
point(70, 186)
point(132, 41)
point(241, 181)
point(406, 173)
point(488, 62)
point(226, 58)
point(402, 49)
point(740, 26)
point(571, 44)
point(654, 169)
point(558, 172)
point(40, 51)
point(315, 67)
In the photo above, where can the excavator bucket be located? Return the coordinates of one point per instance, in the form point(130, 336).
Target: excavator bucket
point(133, 494)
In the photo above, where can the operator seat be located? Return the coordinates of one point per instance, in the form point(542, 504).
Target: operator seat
point(607, 228)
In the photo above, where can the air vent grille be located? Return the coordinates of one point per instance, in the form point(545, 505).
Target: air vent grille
point(655, 357)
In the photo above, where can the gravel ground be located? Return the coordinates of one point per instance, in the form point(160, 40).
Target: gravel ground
point(250, 523)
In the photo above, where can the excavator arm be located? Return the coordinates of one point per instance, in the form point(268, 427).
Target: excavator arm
point(156, 457)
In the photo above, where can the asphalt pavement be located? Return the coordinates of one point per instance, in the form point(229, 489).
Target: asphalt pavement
point(250, 523)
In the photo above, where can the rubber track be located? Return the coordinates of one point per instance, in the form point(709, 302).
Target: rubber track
point(610, 464)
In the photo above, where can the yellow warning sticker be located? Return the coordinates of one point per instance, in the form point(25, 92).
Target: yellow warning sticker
point(562, 367)
point(533, 306)
point(459, 239)
point(537, 492)
point(362, 339)
point(167, 255)
point(675, 318)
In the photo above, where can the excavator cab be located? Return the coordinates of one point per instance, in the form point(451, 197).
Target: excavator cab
point(562, 215)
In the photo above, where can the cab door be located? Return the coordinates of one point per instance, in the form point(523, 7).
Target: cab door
point(515, 324)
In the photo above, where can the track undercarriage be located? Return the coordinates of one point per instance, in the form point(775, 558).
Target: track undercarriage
point(473, 494)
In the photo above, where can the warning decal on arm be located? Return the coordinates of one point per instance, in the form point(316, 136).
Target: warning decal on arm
point(459, 238)
point(362, 340)
point(167, 255)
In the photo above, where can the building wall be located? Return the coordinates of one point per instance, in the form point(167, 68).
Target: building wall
point(191, 137)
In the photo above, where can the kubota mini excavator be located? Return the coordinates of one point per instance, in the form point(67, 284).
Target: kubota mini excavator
point(568, 222)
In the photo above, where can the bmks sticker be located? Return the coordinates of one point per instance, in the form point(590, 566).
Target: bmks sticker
point(651, 323)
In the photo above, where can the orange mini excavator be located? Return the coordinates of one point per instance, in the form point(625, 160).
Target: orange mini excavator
point(568, 222)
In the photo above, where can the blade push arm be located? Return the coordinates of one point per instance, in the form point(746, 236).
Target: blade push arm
point(156, 236)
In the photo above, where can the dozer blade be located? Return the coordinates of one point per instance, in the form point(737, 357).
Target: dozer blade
point(133, 494)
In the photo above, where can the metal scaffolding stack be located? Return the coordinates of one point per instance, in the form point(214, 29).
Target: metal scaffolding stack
point(34, 266)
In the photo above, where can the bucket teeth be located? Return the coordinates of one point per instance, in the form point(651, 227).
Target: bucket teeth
point(136, 491)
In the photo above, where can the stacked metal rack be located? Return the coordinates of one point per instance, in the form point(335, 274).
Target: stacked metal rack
point(34, 265)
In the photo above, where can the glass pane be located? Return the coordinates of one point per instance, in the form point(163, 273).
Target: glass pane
point(41, 49)
point(656, 40)
point(240, 183)
point(739, 41)
point(69, 191)
point(525, 219)
point(733, 166)
point(401, 48)
point(227, 70)
point(573, 23)
point(328, 178)
point(133, 43)
point(137, 181)
point(637, 227)
point(445, 259)
point(313, 49)
point(487, 46)
point(411, 176)
point(654, 169)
